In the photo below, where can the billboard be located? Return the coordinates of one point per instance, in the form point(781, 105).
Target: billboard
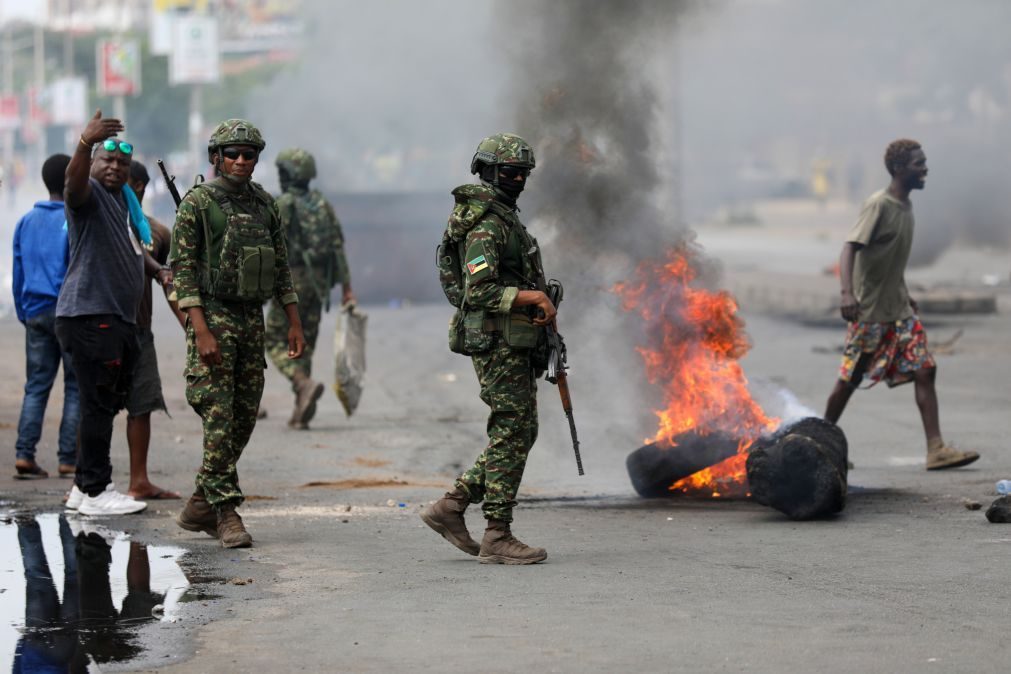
point(10, 113)
point(118, 70)
point(66, 101)
point(195, 57)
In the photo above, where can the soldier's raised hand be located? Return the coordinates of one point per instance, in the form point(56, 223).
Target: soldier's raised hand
point(99, 128)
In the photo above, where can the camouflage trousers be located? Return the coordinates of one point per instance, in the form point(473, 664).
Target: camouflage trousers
point(226, 396)
point(310, 310)
point(508, 387)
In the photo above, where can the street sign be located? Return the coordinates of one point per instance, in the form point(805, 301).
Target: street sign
point(66, 100)
point(195, 58)
point(118, 67)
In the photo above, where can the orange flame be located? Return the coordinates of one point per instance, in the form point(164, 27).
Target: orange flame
point(696, 340)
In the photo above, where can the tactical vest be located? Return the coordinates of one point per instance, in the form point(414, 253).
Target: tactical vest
point(244, 268)
point(473, 330)
point(313, 230)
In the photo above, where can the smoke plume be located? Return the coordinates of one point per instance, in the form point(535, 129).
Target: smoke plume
point(586, 90)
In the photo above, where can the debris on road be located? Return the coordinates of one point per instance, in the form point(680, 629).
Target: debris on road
point(999, 511)
point(801, 470)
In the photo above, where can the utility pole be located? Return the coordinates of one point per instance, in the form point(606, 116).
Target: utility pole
point(195, 125)
point(39, 54)
point(70, 136)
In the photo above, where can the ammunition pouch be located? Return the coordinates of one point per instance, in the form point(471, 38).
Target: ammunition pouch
point(518, 330)
point(468, 333)
point(473, 331)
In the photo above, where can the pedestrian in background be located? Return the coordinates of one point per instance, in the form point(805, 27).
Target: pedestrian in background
point(40, 264)
point(145, 394)
point(885, 339)
point(316, 257)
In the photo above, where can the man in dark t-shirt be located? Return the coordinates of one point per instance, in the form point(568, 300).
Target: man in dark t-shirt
point(145, 393)
point(96, 313)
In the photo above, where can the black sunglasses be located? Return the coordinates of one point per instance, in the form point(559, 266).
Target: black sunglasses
point(235, 153)
point(513, 172)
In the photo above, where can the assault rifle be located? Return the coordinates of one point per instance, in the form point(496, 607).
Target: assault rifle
point(170, 183)
point(558, 365)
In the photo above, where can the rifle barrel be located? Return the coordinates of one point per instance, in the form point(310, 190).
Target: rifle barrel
point(170, 182)
point(563, 392)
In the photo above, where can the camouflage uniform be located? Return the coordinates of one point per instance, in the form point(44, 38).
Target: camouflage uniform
point(225, 396)
point(497, 263)
point(316, 256)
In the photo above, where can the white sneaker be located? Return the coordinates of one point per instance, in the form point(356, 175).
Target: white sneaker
point(80, 526)
point(74, 498)
point(110, 502)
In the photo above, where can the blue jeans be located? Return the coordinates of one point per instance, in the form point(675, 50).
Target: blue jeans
point(42, 363)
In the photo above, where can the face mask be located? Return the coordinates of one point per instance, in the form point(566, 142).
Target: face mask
point(506, 180)
point(512, 189)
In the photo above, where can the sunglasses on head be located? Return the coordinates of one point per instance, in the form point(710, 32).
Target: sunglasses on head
point(513, 172)
point(235, 153)
point(121, 145)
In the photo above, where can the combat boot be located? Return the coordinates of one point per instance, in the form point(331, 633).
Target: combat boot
point(445, 516)
point(231, 530)
point(198, 515)
point(501, 547)
point(307, 392)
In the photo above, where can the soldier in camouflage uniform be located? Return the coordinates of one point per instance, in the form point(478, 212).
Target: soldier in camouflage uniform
point(228, 257)
point(500, 320)
point(316, 257)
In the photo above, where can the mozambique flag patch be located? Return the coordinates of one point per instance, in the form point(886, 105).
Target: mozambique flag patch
point(477, 264)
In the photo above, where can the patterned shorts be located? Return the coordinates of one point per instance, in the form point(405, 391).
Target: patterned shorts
point(896, 350)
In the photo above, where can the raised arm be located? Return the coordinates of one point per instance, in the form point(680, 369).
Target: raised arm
point(78, 188)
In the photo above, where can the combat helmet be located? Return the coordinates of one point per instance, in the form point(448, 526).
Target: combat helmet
point(234, 132)
point(503, 148)
point(298, 163)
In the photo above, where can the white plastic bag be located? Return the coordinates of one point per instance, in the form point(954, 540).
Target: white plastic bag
point(349, 356)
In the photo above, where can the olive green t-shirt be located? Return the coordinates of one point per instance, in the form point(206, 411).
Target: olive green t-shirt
point(885, 232)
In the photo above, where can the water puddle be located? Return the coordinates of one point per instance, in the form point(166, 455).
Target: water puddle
point(74, 594)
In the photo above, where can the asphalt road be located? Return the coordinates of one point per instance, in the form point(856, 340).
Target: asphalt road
point(345, 578)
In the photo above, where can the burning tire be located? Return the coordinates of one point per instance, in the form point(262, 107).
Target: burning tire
point(801, 469)
point(655, 467)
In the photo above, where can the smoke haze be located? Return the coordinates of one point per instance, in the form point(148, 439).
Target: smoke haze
point(738, 98)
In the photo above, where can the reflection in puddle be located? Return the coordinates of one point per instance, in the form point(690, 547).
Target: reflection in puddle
point(85, 591)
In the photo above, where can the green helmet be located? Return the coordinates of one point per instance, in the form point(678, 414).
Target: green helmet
point(299, 164)
point(503, 148)
point(234, 132)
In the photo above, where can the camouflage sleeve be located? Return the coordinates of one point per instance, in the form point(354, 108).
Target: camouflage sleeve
point(284, 289)
point(483, 253)
point(341, 270)
point(187, 247)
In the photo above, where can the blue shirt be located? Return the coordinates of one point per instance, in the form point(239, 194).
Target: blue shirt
point(40, 259)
